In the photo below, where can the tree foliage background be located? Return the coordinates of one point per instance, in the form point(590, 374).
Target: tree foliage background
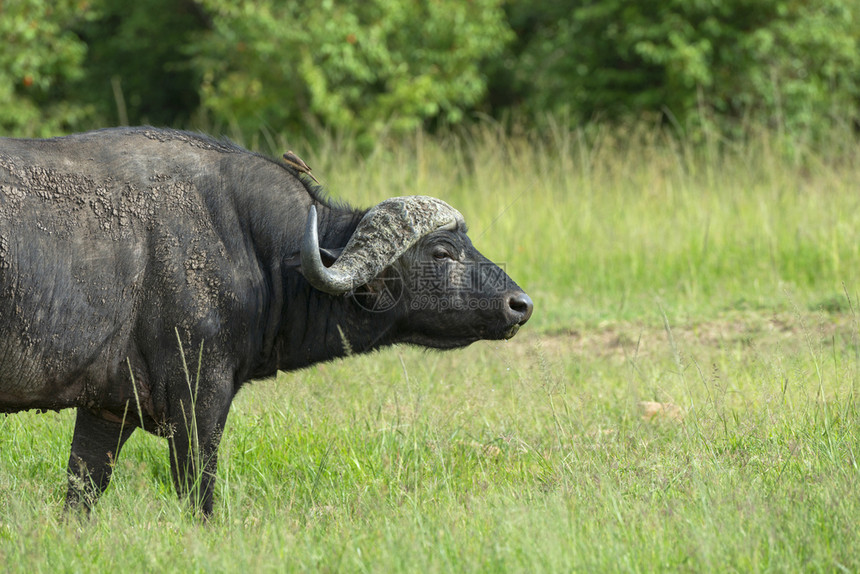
point(377, 66)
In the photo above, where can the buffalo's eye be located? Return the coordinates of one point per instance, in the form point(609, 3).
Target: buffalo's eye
point(440, 254)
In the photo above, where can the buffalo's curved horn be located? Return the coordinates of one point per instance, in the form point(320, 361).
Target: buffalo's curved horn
point(385, 232)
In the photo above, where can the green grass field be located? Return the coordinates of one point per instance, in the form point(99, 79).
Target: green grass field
point(684, 398)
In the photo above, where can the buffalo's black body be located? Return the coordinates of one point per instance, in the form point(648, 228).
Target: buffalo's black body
point(119, 247)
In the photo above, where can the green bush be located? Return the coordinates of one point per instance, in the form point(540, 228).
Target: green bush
point(364, 66)
point(786, 64)
point(377, 66)
point(137, 70)
point(40, 59)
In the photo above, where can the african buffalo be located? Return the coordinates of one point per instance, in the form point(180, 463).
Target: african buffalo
point(126, 254)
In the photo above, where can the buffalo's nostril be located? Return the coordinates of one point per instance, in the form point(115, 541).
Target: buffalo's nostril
point(522, 304)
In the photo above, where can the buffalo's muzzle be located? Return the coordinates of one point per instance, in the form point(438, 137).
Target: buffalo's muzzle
point(519, 308)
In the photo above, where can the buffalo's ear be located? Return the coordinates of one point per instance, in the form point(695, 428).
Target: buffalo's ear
point(382, 293)
point(328, 256)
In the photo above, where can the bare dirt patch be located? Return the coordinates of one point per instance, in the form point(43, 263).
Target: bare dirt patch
point(750, 330)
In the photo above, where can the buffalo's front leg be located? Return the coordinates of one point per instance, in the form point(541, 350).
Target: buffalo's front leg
point(194, 448)
point(95, 447)
point(194, 471)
